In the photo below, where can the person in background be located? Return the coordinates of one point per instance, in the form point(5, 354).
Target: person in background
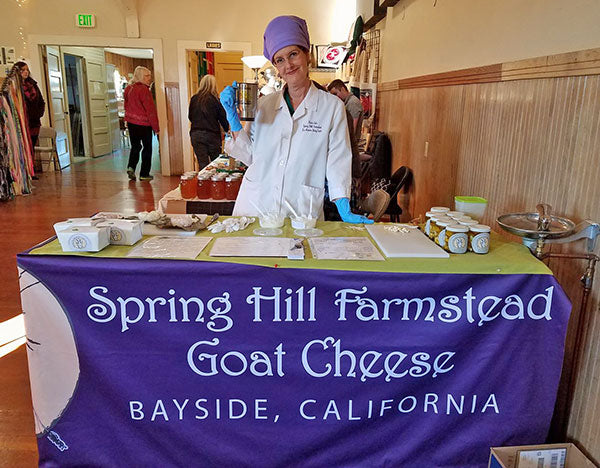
point(352, 103)
point(141, 118)
point(299, 136)
point(207, 117)
point(34, 102)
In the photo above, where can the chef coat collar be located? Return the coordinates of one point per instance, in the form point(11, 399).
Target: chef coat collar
point(310, 102)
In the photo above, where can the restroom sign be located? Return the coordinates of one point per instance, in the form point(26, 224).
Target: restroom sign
point(85, 20)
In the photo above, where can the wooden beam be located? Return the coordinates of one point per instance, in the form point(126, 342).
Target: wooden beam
point(585, 62)
point(389, 3)
point(379, 13)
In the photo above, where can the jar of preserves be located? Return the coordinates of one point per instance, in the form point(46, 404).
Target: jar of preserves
point(434, 229)
point(187, 186)
point(455, 214)
point(230, 188)
point(425, 226)
point(442, 225)
point(456, 239)
point(479, 238)
point(217, 187)
point(203, 187)
point(467, 222)
point(236, 182)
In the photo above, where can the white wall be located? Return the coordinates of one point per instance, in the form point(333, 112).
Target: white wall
point(49, 17)
point(230, 21)
point(419, 38)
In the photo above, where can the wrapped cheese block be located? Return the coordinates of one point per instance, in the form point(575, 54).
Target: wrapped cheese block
point(72, 222)
point(84, 238)
point(123, 231)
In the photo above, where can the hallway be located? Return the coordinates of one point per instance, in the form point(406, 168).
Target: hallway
point(80, 190)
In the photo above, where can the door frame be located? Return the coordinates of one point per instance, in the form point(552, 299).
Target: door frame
point(82, 90)
point(182, 48)
point(37, 40)
point(46, 119)
point(112, 130)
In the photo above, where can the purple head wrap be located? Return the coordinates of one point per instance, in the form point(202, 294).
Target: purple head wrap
point(285, 31)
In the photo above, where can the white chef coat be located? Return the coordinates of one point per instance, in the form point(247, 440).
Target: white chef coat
point(290, 156)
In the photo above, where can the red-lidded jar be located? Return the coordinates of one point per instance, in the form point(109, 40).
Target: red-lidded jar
point(187, 186)
point(203, 187)
point(217, 187)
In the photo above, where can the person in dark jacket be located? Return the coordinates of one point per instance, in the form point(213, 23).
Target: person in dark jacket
point(207, 117)
point(34, 102)
point(141, 118)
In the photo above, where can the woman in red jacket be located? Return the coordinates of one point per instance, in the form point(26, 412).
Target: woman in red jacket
point(141, 118)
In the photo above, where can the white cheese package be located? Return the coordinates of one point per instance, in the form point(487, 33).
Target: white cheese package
point(123, 231)
point(72, 222)
point(84, 238)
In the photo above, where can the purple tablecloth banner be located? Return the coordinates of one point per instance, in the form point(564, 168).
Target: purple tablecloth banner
point(173, 363)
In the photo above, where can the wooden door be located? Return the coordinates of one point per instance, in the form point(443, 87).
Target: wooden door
point(228, 68)
point(113, 110)
point(98, 103)
point(192, 69)
point(58, 105)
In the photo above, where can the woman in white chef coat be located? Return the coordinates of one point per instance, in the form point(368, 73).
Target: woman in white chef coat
point(298, 138)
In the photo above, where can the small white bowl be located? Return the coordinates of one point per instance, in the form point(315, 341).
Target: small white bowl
point(271, 220)
point(303, 223)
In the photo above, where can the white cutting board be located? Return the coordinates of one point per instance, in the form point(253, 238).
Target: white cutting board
point(405, 244)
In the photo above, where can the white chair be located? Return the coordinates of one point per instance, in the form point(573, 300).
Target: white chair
point(46, 145)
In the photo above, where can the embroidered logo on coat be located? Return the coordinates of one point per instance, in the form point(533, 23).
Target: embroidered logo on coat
point(311, 126)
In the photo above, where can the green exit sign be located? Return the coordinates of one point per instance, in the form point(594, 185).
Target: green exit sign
point(85, 21)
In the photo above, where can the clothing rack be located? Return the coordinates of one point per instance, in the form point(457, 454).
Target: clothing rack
point(16, 158)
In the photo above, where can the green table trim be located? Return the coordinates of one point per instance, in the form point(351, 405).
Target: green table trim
point(504, 257)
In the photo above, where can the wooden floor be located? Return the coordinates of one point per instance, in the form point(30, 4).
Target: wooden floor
point(84, 188)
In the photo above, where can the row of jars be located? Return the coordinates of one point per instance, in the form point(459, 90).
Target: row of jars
point(456, 232)
point(219, 186)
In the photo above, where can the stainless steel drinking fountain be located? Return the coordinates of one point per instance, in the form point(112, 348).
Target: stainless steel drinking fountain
point(537, 230)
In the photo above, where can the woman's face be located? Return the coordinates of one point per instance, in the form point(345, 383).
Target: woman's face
point(147, 78)
point(292, 65)
point(24, 72)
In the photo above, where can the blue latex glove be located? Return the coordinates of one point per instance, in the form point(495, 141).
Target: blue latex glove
point(228, 100)
point(343, 206)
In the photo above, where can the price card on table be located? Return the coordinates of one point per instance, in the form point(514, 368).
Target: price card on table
point(253, 246)
point(344, 248)
point(170, 247)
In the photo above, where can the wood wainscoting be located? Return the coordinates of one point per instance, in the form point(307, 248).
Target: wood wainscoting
point(174, 126)
point(517, 134)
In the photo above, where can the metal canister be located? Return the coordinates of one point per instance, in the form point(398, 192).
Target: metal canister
point(247, 98)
